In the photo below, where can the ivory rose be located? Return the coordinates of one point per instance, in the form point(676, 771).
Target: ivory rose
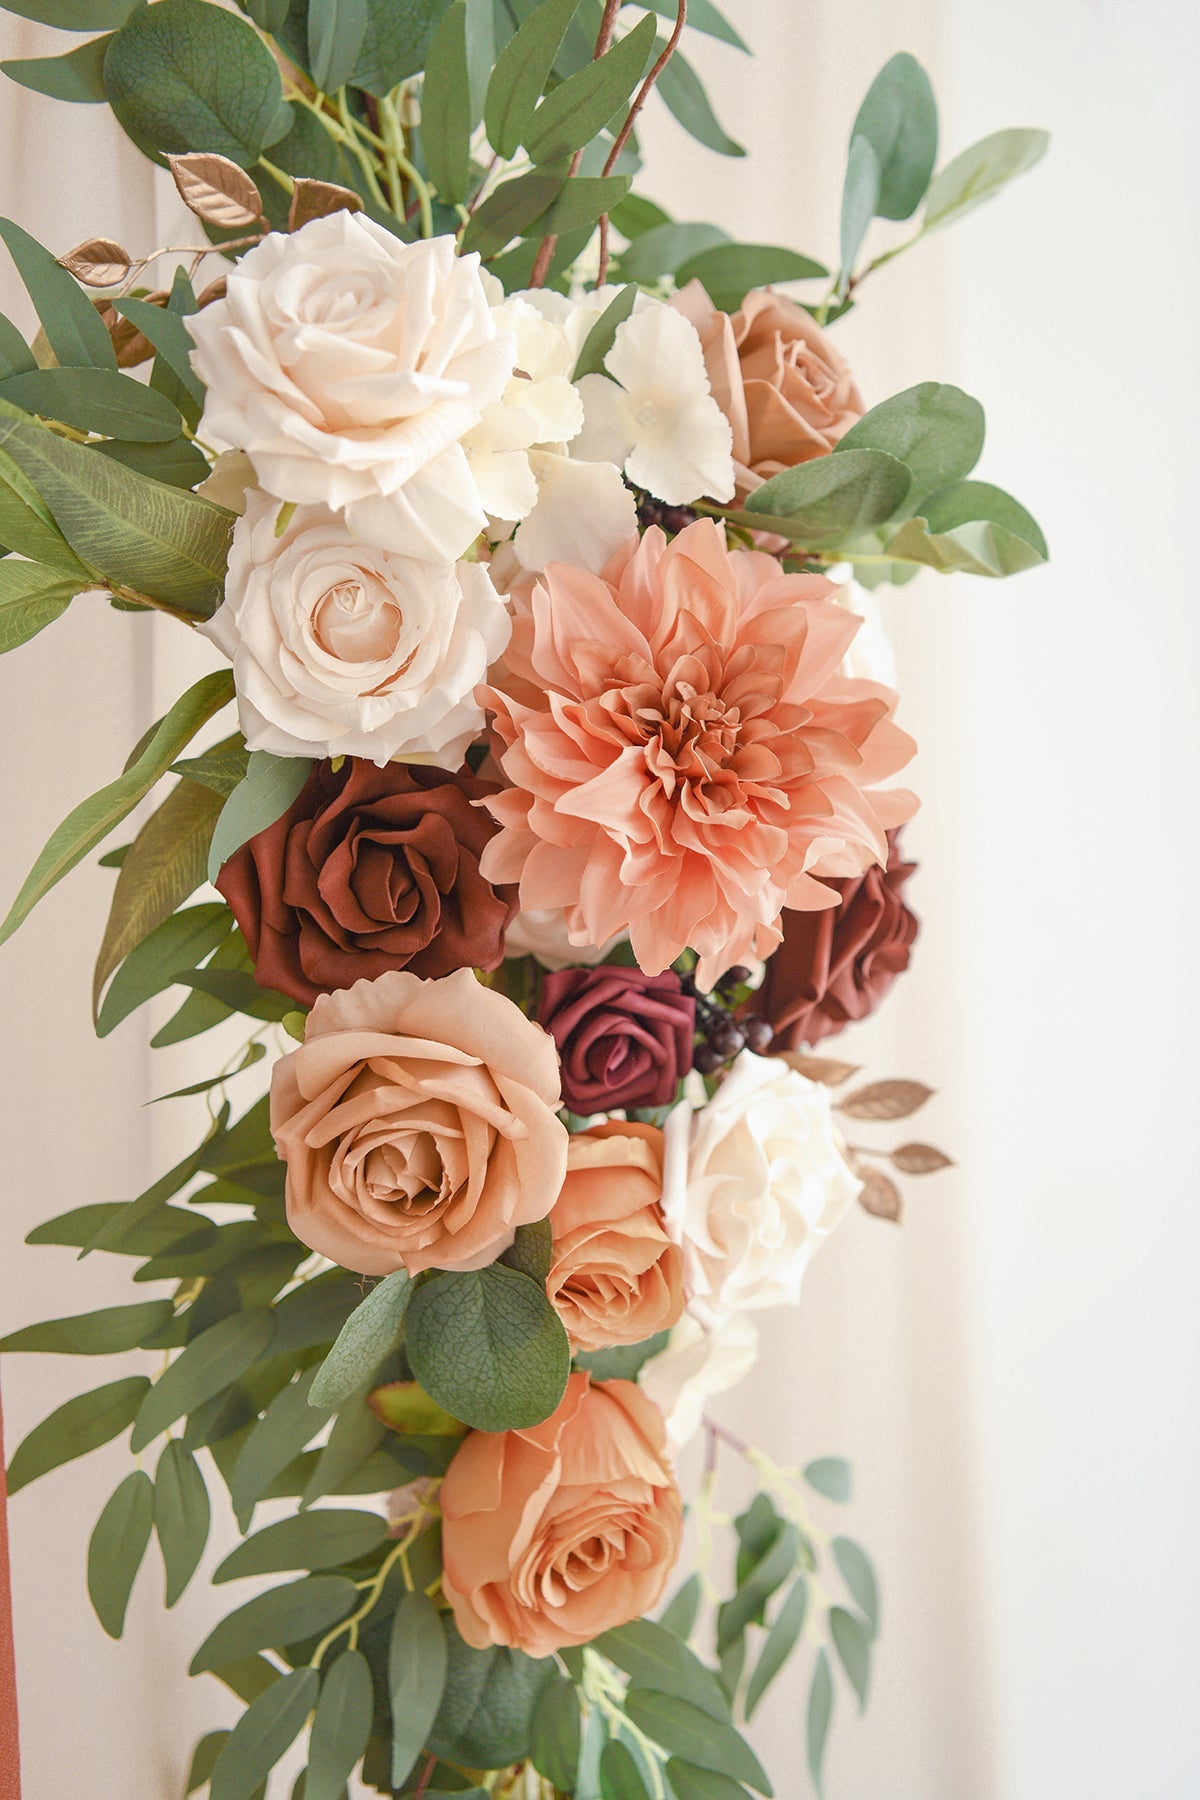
point(697, 1363)
point(753, 1184)
point(417, 1121)
point(342, 649)
point(684, 760)
point(349, 366)
point(785, 388)
point(555, 1534)
point(615, 1277)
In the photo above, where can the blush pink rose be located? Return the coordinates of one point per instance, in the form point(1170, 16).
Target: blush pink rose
point(685, 760)
point(555, 1534)
point(418, 1124)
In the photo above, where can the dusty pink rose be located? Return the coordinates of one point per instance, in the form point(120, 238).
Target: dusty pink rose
point(553, 1535)
point(685, 761)
point(418, 1124)
point(779, 379)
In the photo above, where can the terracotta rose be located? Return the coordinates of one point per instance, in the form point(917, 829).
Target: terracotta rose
point(369, 869)
point(417, 1121)
point(836, 966)
point(552, 1535)
point(616, 1277)
point(778, 378)
point(625, 1037)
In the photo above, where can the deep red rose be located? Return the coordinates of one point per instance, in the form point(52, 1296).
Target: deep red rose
point(369, 870)
point(625, 1038)
point(837, 965)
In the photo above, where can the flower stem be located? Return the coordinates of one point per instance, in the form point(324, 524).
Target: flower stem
point(548, 245)
point(622, 137)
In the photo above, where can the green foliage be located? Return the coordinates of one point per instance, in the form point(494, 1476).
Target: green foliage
point(270, 786)
point(691, 1783)
point(117, 1547)
point(281, 1616)
point(780, 1642)
point(859, 1577)
point(729, 271)
point(181, 1516)
point(694, 1735)
point(852, 1641)
point(653, 1657)
point(971, 527)
point(74, 329)
point(265, 1732)
point(681, 1614)
point(625, 1362)
point(935, 430)
point(341, 1727)
point(521, 73)
point(173, 948)
point(396, 42)
point(532, 1250)
point(336, 29)
point(833, 498)
point(81, 1424)
point(898, 119)
point(683, 94)
point(817, 1718)
point(287, 1426)
point(308, 1540)
point(372, 1331)
point(619, 1775)
point(417, 1668)
point(77, 76)
point(511, 211)
point(829, 1476)
point(208, 1365)
point(446, 107)
point(486, 1716)
point(100, 400)
point(977, 173)
point(599, 340)
point(103, 1333)
point(169, 335)
point(557, 1731)
point(489, 1347)
point(186, 75)
point(32, 596)
point(576, 110)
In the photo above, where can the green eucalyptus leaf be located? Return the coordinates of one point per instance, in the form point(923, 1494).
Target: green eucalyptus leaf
point(819, 1714)
point(341, 1727)
point(396, 42)
point(521, 73)
point(832, 499)
point(684, 96)
point(91, 821)
point(620, 1778)
point(557, 1733)
point(852, 1641)
point(599, 340)
point(117, 1547)
point(860, 203)
point(208, 1365)
point(489, 1347)
point(624, 1362)
point(664, 248)
point(974, 527)
point(934, 429)
point(78, 1227)
point(336, 29)
point(271, 1621)
point(185, 75)
point(314, 1314)
point(75, 15)
point(510, 210)
point(729, 271)
point(859, 1577)
point(16, 358)
point(204, 1760)
point(446, 107)
point(372, 1331)
point(581, 201)
point(830, 1476)
point(653, 1657)
point(271, 785)
point(264, 1733)
point(81, 1424)
point(27, 528)
point(486, 1716)
point(179, 463)
point(767, 1574)
point(703, 16)
point(686, 1731)
point(74, 329)
point(221, 769)
point(285, 1429)
point(200, 1012)
point(129, 1218)
point(680, 1616)
point(532, 1250)
point(100, 400)
point(238, 991)
point(898, 118)
point(77, 77)
point(134, 531)
point(976, 174)
point(577, 110)
point(781, 1640)
point(181, 1516)
point(327, 1539)
point(32, 596)
point(103, 1333)
point(689, 1782)
point(417, 1662)
point(172, 340)
point(174, 948)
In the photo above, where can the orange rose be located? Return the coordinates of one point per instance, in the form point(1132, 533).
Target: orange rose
point(616, 1277)
point(787, 392)
point(552, 1535)
point(417, 1121)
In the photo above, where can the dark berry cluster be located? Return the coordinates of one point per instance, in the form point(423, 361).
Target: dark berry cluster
point(673, 519)
point(720, 1036)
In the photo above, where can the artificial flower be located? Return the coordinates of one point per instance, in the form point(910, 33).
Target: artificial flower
point(554, 1534)
point(784, 387)
point(624, 1038)
point(544, 934)
point(615, 1276)
point(418, 1124)
point(369, 869)
point(349, 365)
point(684, 762)
point(753, 1184)
point(656, 418)
point(835, 967)
point(870, 656)
point(343, 649)
point(698, 1362)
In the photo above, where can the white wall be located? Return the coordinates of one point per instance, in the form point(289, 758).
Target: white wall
point(1014, 1372)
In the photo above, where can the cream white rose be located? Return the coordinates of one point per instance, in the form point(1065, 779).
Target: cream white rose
point(870, 656)
point(349, 366)
point(340, 648)
point(697, 1363)
point(754, 1183)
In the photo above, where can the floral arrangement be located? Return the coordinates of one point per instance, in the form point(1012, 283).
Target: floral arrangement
point(534, 533)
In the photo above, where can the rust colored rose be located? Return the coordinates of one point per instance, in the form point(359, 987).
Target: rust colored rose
point(836, 966)
point(555, 1534)
point(418, 1124)
point(778, 378)
point(369, 869)
point(616, 1277)
point(625, 1038)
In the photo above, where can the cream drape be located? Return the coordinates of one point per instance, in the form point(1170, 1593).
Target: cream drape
point(1013, 1373)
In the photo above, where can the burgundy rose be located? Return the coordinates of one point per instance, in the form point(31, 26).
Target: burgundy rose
point(837, 965)
point(624, 1038)
point(370, 869)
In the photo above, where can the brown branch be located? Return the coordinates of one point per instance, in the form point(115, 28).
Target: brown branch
point(548, 245)
point(426, 1778)
point(622, 138)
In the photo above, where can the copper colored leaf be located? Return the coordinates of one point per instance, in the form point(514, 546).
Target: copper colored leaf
point(214, 291)
point(98, 262)
point(824, 1069)
point(317, 199)
point(885, 1100)
point(216, 190)
point(920, 1159)
point(880, 1196)
point(129, 343)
